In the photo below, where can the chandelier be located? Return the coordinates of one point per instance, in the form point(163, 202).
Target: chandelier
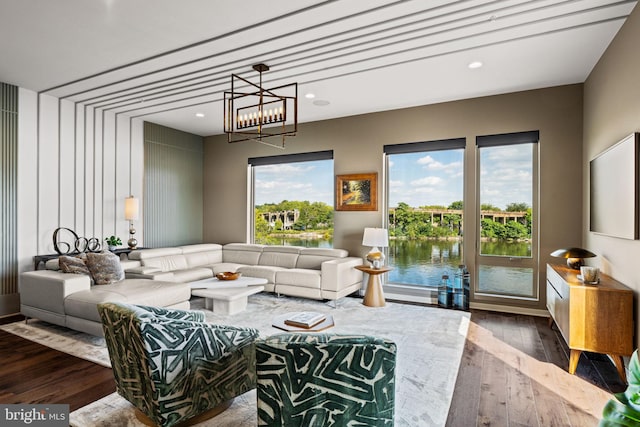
point(255, 113)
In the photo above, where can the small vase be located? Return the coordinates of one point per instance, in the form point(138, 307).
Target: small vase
point(112, 248)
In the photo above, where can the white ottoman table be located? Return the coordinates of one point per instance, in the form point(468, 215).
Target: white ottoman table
point(228, 300)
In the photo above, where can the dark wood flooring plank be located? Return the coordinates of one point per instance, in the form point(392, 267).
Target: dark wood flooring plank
point(39, 374)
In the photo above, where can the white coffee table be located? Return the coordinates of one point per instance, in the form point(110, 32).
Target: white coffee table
point(214, 283)
point(227, 300)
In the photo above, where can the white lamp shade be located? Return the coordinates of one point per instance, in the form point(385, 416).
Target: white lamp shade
point(131, 208)
point(375, 237)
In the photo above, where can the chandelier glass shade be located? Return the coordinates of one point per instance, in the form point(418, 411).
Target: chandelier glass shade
point(255, 113)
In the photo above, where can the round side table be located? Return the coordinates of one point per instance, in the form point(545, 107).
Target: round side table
point(374, 296)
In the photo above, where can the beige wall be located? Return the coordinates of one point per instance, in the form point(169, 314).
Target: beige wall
point(358, 142)
point(611, 112)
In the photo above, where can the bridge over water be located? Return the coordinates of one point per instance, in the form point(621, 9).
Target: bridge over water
point(288, 218)
point(437, 215)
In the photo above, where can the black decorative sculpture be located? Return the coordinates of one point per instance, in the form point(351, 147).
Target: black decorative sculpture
point(80, 244)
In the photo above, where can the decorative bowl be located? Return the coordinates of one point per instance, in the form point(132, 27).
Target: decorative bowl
point(228, 275)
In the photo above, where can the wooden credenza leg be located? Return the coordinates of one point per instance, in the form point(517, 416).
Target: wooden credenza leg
point(573, 360)
point(619, 362)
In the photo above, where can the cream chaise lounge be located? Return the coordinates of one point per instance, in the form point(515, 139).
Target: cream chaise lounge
point(71, 300)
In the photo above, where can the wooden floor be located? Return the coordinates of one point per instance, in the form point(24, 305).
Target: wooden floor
point(33, 373)
point(513, 373)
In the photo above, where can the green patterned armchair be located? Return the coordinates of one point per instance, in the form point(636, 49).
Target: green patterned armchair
point(325, 380)
point(171, 365)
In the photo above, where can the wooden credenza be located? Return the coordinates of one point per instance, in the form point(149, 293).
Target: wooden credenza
point(596, 318)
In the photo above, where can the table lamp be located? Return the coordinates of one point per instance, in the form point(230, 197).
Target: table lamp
point(575, 256)
point(131, 210)
point(375, 237)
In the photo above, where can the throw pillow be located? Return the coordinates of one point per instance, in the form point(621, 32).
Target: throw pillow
point(71, 264)
point(105, 268)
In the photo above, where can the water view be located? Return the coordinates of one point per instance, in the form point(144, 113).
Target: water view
point(423, 262)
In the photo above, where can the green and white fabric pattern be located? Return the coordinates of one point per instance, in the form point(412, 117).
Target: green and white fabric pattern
point(325, 380)
point(171, 365)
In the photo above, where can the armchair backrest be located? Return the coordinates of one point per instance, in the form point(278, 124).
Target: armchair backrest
point(325, 379)
point(172, 365)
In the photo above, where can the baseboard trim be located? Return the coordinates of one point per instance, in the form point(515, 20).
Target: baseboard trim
point(509, 309)
point(410, 298)
point(9, 305)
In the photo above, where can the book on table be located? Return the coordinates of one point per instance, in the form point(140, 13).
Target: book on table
point(305, 319)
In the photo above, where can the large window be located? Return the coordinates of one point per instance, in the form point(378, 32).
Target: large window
point(507, 233)
point(425, 211)
point(292, 199)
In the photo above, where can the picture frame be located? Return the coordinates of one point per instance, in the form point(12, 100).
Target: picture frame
point(357, 192)
point(614, 190)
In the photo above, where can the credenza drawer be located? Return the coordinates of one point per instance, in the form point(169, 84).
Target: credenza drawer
point(557, 282)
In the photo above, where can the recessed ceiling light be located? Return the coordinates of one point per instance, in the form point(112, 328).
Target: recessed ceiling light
point(321, 102)
point(475, 64)
point(310, 96)
point(199, 114)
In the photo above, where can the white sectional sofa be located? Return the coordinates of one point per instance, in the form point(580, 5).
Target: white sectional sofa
point(71, 300)
point(160, 277)
point(318, 273)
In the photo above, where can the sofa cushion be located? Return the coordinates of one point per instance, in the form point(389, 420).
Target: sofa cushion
point(299, 277)
point(156, 293)
point(314, 257)
point(261, 271)
point(191, 274)
point(105, 268)
point(199, 259)
point(279, 256)
point(74, 265)
point(166, 263)
point(242, 253)
point(141, 254)
point(202, 247)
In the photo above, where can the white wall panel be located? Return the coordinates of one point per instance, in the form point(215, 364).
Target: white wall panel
point(66, 165)
point(89, 174)
point(98, 226)
point(122, 179)
point(47, 169)
point(75, 170)
point(79, 170)
point(109, 198)
point(27, 178)
point(137, 173)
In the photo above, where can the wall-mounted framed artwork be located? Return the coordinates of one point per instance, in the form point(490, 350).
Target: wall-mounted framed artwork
point(614, 190)
point(357, 192)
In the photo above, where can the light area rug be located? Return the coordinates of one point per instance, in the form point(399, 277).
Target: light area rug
point(430, 342)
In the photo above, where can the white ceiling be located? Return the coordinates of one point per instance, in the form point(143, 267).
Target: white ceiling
point(166, 60)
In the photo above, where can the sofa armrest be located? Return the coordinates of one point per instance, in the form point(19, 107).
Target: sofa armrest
point(340, 273)
point(152, 273)
point(47, 289)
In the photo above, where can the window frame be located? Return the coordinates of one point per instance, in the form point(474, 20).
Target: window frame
point(275, 160)
point(498, 140)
